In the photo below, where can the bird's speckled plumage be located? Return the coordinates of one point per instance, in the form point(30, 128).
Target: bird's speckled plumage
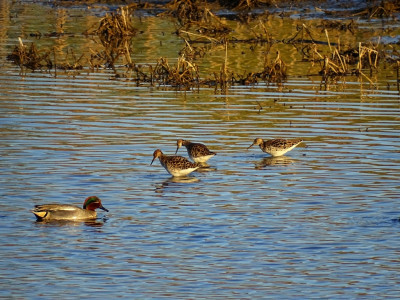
point(197, 152)
point(175, 165)
point(52, 212)
point(276, 147)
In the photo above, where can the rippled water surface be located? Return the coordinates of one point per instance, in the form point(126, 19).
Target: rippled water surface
point(320, 222)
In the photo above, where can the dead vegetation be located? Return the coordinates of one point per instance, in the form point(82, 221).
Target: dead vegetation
point(274, 70)
point(339, 25)
point(242, 4)
point(385, 9)
point(334, 59)
point(195, 18)
point(72, 62)
point(115, 32)
point(203, 32)
point(184, 74)
point(374, 9)
point(114, 27)
point(350, 62)
point(188, 11)
point(30, 57)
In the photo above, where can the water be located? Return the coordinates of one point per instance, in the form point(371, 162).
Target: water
point(317, 223)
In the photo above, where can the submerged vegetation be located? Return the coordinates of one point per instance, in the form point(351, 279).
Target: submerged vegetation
point(204, 29)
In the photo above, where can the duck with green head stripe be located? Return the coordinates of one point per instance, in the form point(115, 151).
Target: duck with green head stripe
point(50, 212)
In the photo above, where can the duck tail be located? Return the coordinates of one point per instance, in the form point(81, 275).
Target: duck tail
point(40, 215)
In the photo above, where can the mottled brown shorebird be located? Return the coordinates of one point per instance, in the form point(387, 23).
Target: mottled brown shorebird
point(175, 165)
point(197, 152)
point(276, 147)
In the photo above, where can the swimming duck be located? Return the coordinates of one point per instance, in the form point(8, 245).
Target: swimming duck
point(52, 212)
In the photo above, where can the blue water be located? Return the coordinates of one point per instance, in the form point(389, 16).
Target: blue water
point(315, 223)
point(320, 222)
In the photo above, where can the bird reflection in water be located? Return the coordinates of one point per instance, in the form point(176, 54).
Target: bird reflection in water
point(205, 168)
point(274, 161)
point(92, 223)
point(173, 181)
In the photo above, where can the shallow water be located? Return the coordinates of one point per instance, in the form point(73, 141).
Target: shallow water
point(318, 222)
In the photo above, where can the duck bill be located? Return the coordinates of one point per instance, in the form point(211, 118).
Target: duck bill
point(250, 146)
point(103, 208)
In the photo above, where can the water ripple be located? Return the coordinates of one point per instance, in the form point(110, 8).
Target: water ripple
point(248, 226)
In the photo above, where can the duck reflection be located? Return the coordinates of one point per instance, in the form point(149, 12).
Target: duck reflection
point(274, 161)
point(92, 223)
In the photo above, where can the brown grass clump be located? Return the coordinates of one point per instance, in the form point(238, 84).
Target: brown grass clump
point(184, 74)
point(187, 11)
point(274, 71)
point(334, 66)
point(196, 15)
point(115, 32)
point(30, 57)
point(115, 26)
point(349, 62)
point(72, 61)
point(367, 56)
point(337, 62)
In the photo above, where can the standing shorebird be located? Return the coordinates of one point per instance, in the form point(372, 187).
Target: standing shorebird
point(175, 165)
point(199, 153)
point(276, 147)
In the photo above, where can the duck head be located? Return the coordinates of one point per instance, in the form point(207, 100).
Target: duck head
point(92, 203)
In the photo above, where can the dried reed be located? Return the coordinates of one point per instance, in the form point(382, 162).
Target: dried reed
point(30, 58)
point(184, 74)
